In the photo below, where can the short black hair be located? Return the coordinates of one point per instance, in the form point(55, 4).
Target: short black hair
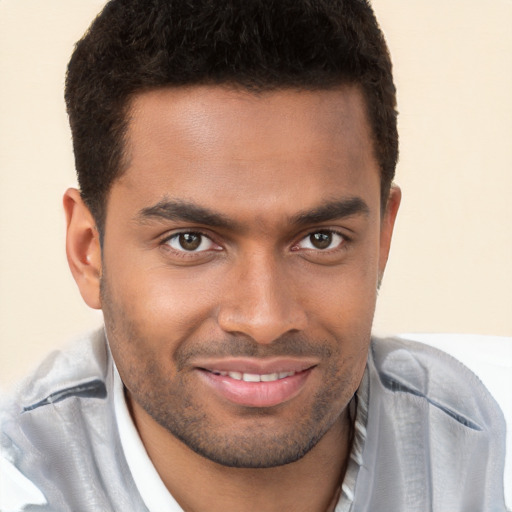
point(260, 45)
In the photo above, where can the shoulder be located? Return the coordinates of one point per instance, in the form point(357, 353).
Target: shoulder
point(37, 418)
point(412, 368)
point(76, 372)
point(434, 432)
point(79, 369)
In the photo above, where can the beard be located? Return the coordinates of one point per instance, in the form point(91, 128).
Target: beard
point(162, 381)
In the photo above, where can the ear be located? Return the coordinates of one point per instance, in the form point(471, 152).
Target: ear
point(387, 225)
point(83, 248)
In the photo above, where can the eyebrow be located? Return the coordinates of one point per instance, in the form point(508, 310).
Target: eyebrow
point(332, 210)
point(180, 210)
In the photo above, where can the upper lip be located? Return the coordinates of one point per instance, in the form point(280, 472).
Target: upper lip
point(256, 366)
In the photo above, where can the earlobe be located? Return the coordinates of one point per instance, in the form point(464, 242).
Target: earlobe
point(387, 225)
point(83, 248)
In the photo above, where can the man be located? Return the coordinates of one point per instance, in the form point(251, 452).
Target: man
point(233, 223)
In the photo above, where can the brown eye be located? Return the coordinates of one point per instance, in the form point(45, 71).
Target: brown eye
point(190, 242)
point(321, 240)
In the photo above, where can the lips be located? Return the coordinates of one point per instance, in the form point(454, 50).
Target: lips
point(252, 383)
point(255, 377)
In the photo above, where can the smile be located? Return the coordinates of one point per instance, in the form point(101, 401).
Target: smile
point(253, 388)
point(255, 377)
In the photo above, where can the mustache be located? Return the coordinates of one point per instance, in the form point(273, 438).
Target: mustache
point(239, 346)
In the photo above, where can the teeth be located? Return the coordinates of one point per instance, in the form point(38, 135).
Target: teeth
point(269, 377)
point(254, 377)
point(251, 377)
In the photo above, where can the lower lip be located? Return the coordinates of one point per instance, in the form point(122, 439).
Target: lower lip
point(256, 394)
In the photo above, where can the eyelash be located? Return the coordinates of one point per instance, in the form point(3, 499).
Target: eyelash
point(345, 240)
point(186, 254)
point(193, 255)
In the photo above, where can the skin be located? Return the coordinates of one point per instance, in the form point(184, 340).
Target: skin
point(258, 287)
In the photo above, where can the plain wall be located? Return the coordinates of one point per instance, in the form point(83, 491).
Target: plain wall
point(450, 268)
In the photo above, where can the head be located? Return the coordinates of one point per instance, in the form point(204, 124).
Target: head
point(262, 45)
point(235, 215)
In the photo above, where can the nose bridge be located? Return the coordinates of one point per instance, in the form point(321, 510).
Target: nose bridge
point(260, 301)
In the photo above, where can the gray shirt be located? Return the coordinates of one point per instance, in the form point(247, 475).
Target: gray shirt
point(429, 437)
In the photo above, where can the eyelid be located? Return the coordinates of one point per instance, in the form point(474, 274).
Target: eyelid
point(332, 231)
point(164, 241)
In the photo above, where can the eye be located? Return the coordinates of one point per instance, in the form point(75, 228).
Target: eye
point(190, 242)
point(321, 241)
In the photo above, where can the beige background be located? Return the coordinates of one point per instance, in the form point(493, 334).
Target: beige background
point(451, 264)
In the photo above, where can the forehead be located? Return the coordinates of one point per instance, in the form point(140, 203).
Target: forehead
point(216, 144)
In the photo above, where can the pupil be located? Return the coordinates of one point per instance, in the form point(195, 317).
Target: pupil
point(321, 240)
point(190, 241)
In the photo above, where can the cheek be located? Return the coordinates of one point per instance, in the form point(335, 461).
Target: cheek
point(168, 301)
point(345, 294)
point(160, 301)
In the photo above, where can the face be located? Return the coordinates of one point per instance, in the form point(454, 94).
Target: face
point(242, 252)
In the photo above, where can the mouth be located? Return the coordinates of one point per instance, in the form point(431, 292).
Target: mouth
point(255, 377)
point(252, 387)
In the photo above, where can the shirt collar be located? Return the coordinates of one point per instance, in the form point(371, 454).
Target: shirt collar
point(153, 492)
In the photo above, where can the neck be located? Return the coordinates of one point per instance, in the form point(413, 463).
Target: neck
point(310, 484)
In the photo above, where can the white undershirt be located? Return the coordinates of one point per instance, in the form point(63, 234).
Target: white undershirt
point(155, 495)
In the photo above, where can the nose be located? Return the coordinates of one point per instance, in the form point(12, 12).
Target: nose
point(260, 301)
